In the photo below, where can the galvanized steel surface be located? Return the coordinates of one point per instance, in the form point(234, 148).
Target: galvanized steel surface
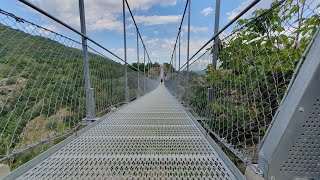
point(291, 149)
point(151, 137)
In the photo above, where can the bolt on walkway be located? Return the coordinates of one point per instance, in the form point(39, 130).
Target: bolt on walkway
point(153, 136)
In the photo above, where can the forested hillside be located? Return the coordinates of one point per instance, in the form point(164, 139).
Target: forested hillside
point(42, 90)
point(257, 61)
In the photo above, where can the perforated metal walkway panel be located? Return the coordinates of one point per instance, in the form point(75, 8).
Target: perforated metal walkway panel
point(291, 149)
point(153, 137)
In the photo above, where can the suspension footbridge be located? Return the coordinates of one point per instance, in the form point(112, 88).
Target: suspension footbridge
point(153, 136)
point(247, 101)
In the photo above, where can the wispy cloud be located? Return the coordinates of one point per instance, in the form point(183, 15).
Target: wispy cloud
point(153, 42)
point(157, 20)
point(162, 51)
point(195, 29)
point(207, 11)
point(100, 14)
point(232, 14)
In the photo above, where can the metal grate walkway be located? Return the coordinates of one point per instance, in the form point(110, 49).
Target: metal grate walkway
point(151, 137)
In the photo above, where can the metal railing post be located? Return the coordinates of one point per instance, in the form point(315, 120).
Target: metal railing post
point(211, 90)
point(175, 59)
point(216, 39)
point(175, 68)
point(188, 49)
point(144, 70)
point(172, 65)
point(179, 48)
point(150, 69)
point(170, 68)
point(125, 51)
point(148, 66)
point(138, 91)
point(90, 106)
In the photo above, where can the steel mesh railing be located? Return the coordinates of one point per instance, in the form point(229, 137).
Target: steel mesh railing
point(237, 100)
point(42, 87)
point(41, 84)
point(107, 81)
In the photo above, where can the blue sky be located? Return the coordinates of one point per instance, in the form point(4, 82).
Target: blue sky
point(158, 21)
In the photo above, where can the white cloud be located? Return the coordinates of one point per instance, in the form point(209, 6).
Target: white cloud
point(207, 11)
point(162, 52)
point(201, 63)
point(108, 22)
point(232, 14)
point(157, 20)
point(195, 30)
point(266, 4)
point(168, 43)
point(131, 54)
point(100, 14)
point(153, 42)
point(107, 15)
point(51, 27)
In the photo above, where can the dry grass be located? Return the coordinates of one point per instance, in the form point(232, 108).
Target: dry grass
point(43, 127)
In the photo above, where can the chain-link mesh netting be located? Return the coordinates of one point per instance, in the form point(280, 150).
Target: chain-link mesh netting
point(41, 84)
point(238, 99)
point(142, 73)
point(42, 87)
point(107, 81)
